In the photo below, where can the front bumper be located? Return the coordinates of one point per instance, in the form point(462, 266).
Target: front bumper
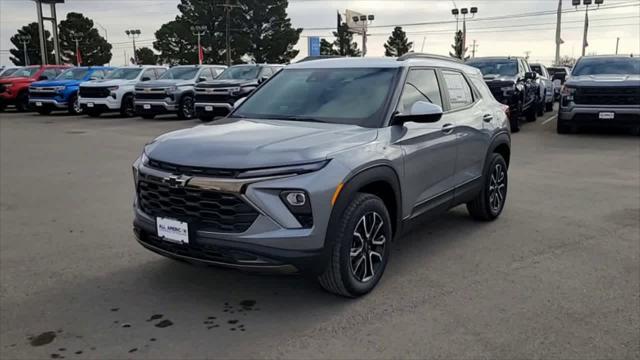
point(155, 107)
point(102, 104)
point(48, 102)
point(590, 115)
point(213, 109)
point(275, 241)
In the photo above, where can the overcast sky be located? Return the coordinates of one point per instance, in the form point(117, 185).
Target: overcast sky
point(493, 37)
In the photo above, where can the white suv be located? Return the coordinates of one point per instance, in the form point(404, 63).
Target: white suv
point(115, 92)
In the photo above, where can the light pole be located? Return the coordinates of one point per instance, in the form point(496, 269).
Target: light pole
point(558, 30)
point(133, 34)
point(199, 30)
point(365, 20)
point(464, 11)
point(617, 43)
point(25, 39)
point(586, 3)
point(228, 7)
point(77, 37)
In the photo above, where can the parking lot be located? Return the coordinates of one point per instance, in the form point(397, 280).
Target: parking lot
point(557, 276)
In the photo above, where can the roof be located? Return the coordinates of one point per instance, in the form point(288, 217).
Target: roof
point(382, 62)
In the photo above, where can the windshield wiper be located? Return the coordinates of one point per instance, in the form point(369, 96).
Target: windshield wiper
point(296, 118)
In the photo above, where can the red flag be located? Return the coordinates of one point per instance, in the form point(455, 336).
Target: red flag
point(78, 57)
point(200, 54)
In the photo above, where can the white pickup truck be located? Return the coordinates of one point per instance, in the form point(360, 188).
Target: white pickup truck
point(115, 92)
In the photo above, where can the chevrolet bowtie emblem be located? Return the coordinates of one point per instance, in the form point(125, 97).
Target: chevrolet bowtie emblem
point(176, 180)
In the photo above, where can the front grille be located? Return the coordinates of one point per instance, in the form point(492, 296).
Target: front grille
point(94, 92)
point(206, 98)
point(191, 170)
point(150, 96)
point(43, 94)
point(607, 96)
point(207, 209)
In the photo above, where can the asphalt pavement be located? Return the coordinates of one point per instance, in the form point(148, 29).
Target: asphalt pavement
point(556, 277)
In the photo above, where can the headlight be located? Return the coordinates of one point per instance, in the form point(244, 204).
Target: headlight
point(143, 159)
point(171, 89)
point(568, 91)
point(59, 88)
point(7, 85)
point(284, 170)
point(113, 88)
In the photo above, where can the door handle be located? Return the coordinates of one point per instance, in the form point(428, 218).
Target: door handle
point(487, 117)
point(448, 128)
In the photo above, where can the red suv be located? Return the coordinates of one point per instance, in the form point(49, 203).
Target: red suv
point(14, 90)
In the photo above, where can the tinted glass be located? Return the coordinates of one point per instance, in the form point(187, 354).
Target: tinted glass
point(354, 96)
point(538, 69)
point(98, 74)
point(124, 74)
point(266, 71)
point(508, 67)
point(459, 91)
point(28, 71)
point(607, 65)
point(180, 73)
point(9, 72)
point(553, 71)
point(73, 74)
point(421, 85)
point(240, 73)
point(49, 73)
point(206, 73)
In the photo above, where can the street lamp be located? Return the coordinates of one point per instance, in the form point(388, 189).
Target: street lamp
point(465, 11)
point(365, 20)
point(586, 3)
point(199, 30)
point(25, 39)
point(133, 34)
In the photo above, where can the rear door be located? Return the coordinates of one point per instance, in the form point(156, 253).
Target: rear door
point(429, 149)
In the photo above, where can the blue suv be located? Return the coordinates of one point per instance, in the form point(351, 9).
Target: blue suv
point(62, 92)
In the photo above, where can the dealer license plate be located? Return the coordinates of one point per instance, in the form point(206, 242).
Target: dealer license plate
point(146, 106)
point(607, 115)
point(172, 230)
point(38, 103)
point(89, 104)
point(208, 108)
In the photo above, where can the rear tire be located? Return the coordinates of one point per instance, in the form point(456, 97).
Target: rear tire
point(514, 121)
point(361, 247)
point(489, 203)
point(548, 106)
point(530, 114)
point(22, 103)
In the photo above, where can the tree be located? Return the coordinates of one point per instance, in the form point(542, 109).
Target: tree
point(33, 46)
point(260, 30)
point(271, 37)
point(94, 49)
point(326, 48)
point(398, 44)
point(146, 56)
point(344, 44)
point(458, 50)
point(566, 61)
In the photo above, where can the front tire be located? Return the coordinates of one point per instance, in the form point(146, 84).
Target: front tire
point(44, 111)
point(361, 248)
point(489, 203)
point(22, 103)
point(186, 109)
point(147, 116)
point(127, 108)
point(74, 106)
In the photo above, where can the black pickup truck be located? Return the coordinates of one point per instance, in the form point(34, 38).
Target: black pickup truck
point(513, 83)
point(216, 97)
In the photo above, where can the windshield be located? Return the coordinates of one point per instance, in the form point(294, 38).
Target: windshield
point(28, 71)
point(538, 69)
point(355, 96)
point(240, 73)
point(73, 74)
point(124, 74)
point(9, 72)
point(508, 67)
point(608, 66)
point(180, 73)
point(553, 71)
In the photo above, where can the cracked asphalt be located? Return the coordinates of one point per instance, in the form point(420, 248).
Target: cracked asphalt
point(556, 277)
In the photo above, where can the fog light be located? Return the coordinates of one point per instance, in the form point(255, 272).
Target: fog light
point(296, 198)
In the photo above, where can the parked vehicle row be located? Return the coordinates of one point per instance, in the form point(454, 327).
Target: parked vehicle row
point(14, 89)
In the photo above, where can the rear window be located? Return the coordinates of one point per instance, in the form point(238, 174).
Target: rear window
point(607, 66)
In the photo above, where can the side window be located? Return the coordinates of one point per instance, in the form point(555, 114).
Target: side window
point(460, 94)
point(207, 74)
point(266, 71)
point(149, 73)
point(98, 74)
point(49, 73)
point(421, 85)
point(159, 72)
point(216, 72)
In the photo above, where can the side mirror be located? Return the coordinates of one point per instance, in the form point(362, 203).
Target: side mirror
point(202, 78)
point(263, 79)
point(530, 75)
point(421, 112)
point(43, 77)
point(239, 102)
point(145, 78)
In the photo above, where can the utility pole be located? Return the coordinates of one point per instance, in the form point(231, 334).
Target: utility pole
point(77, 37)
point(228, 7)
point(366, 20)
point(24, 39)
point(133, 34)
point(424, 39)
point(617, 44)
point(527, 54)
point(558, 30)
point(106, 35)
point(199, 30)
point(473, 49)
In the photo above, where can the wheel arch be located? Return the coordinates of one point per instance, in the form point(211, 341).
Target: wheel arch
point(501, 144)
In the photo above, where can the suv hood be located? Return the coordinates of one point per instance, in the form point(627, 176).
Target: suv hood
point(110, 82)
point(249, 144)
point(57, 83)
point(227, 83)
point(164, 83)
point(604, 80)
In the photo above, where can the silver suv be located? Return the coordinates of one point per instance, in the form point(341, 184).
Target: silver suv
point(321, 167)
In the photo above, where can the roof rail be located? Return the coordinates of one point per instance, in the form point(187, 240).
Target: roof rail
point(414, 55)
